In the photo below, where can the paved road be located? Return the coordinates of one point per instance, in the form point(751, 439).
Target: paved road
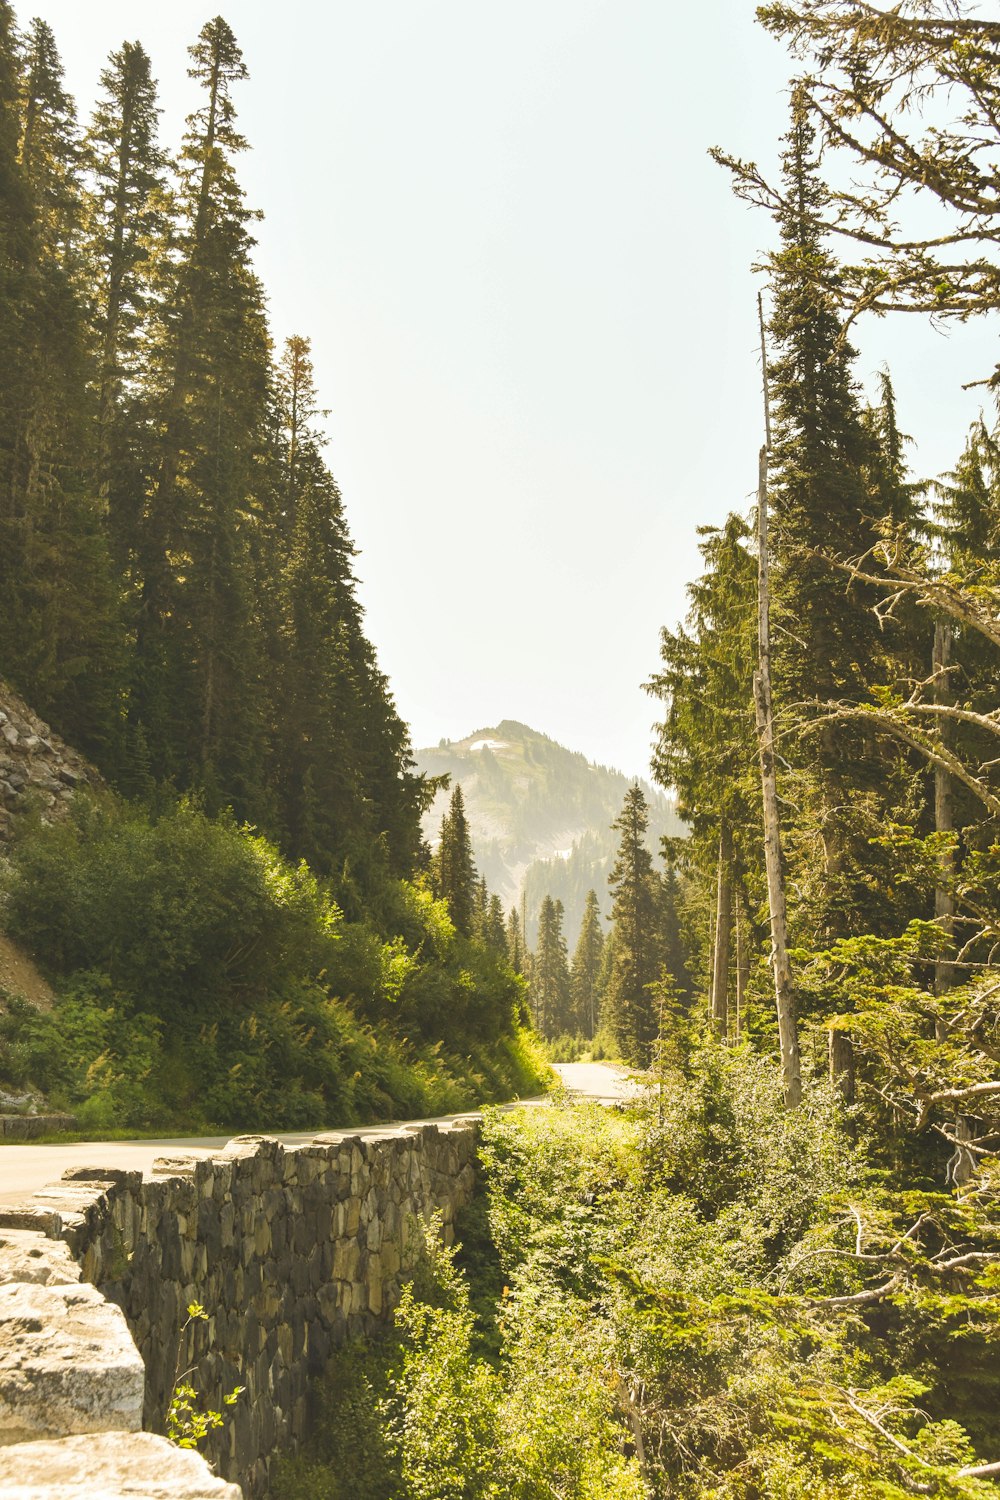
point(596, 1080)
point(25, 1169)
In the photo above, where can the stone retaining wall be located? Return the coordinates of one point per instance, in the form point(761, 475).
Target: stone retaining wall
point(30, 1127)
point(290, 1250)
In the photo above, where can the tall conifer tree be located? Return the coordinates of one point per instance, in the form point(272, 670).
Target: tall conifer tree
point(586, 969)
point(629, 1005)
point(550, 982)
point(127, 233)
point(200, 668)
point(456, 870)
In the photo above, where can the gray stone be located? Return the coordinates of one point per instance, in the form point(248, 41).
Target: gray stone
point(290, 1252)
point(115, 1464)
point(67, 1364)
point(27, 1256)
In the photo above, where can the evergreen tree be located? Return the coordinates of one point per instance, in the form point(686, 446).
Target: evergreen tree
point(550, 983)
point(821, 450)
point(630, 1008)
point(50, 147)
point(675, 948)
point(199, 670)
point(127, 232)
point(494, 929)
point(830, 476)
point(515, 942)
point(455, 867)
point(706, 746)
point(586, 968)
point(59, 631)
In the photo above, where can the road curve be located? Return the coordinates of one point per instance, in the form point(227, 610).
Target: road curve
point(26, 1169)
point(605, 1082)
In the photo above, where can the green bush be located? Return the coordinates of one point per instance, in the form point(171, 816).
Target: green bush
point(204, 981)
point(179, 911)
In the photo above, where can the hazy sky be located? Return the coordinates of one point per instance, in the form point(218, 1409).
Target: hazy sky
point(532, 313)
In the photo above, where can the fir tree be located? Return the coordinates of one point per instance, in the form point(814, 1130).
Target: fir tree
point(821, 449)
point(586, 968)
point(494, 929)
point(550, 984)
point(515, 942)
point(629, 1005)
point(127, 232)
point(199, 669)
point(60, 637)
point(455, 867)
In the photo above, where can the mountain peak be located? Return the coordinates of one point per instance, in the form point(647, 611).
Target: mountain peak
point(539, 814)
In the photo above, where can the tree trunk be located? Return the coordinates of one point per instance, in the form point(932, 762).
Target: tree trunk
point(788, 1037)
point(742, 968)
point(842, 1065)
point(944, 901)
point(723, 928)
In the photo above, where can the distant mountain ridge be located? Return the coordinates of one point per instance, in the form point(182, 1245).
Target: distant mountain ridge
point(540, 815)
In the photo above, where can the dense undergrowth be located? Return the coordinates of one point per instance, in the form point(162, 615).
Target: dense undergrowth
point(679, 1305)
point(204, 980)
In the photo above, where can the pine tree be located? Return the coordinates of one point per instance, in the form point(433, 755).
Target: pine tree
point(706, 745)
point(629, 1005)
point(829, 476)
point(50, 148)
point(127, 229)
point(515, 942)
point(455, 867)
point(199, 671)
point(674, 957)
point(586, 968)
point(821, 450)
point(550, 984)
point(59, 631)
point(494, 929)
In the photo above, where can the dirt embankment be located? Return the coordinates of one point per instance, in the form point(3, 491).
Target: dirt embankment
point(19, 976)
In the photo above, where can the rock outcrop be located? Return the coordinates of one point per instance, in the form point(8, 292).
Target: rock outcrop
point(36, 766)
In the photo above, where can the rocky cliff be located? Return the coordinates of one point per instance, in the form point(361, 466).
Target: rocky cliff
point(37, 768)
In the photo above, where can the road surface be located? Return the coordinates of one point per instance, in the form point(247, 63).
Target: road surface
point(597, 1080)
point(26, 1169)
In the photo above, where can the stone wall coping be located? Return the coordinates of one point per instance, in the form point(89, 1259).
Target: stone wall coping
point(102, 1466)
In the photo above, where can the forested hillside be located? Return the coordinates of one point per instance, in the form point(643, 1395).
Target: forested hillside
point(176, 578)
point(240, 930)
point(539, 815)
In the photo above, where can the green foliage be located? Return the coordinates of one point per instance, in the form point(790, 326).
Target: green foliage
point(424, 1416)
point(179, 909)
point(550, 992)
point(701, 1263)
point(189, 1421)
point(204, 980)
point(454, 867)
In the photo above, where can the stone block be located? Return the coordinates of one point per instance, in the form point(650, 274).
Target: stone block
point(26, 1256)
point(125, 1464)
point(67, 1364)
point(23, 1216)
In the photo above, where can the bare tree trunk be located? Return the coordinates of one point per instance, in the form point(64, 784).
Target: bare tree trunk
point(742, 967)
point(723, 928)
point(944, 822)
point(962, 1164)
point(842, 1065)
point(784, 996)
